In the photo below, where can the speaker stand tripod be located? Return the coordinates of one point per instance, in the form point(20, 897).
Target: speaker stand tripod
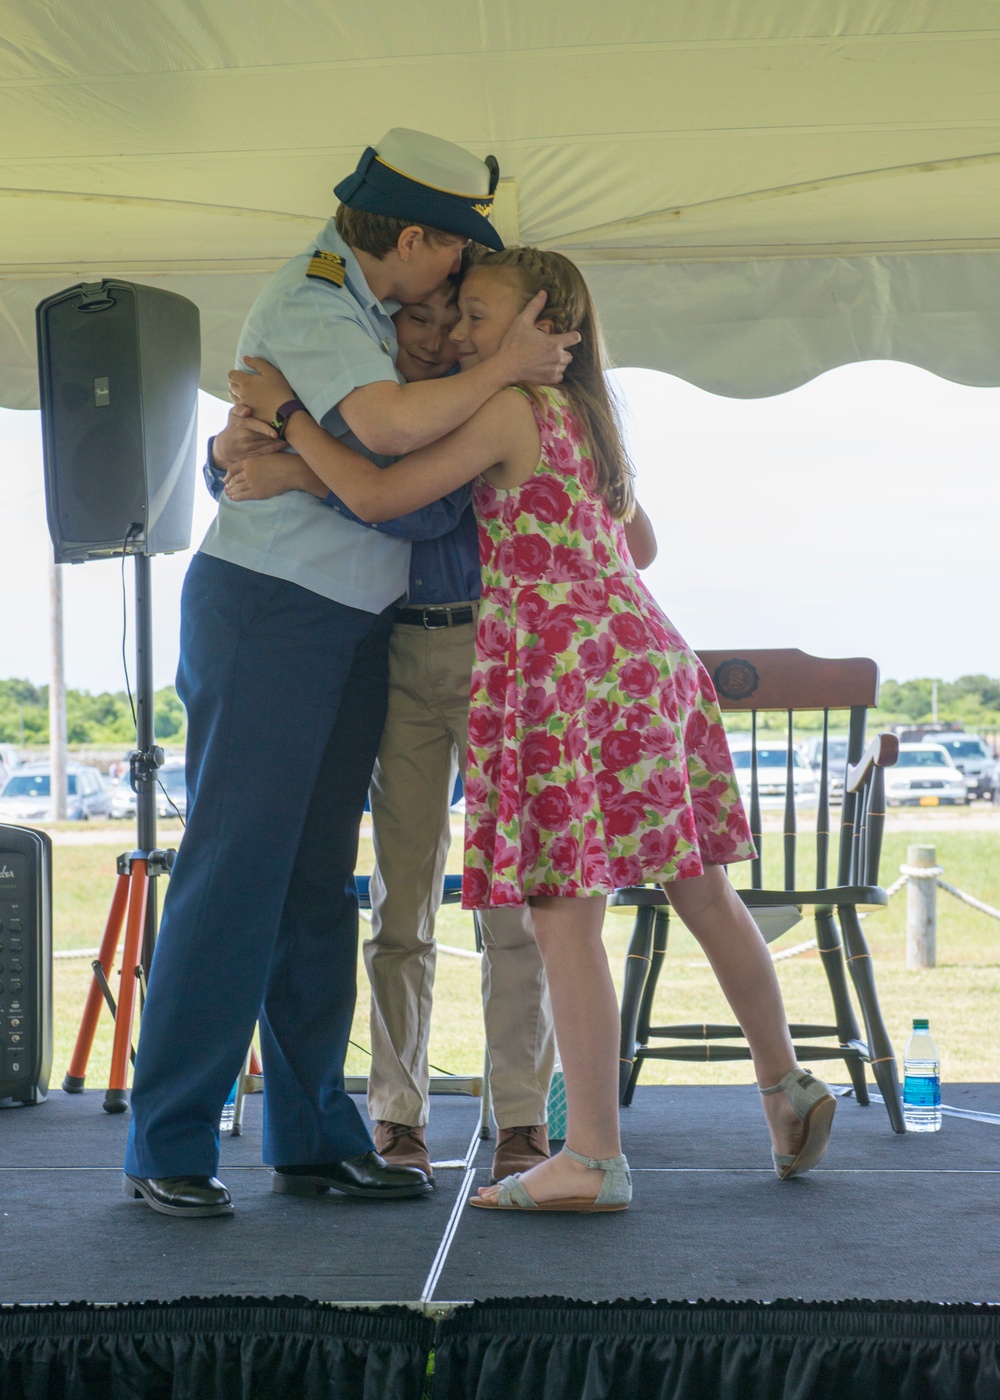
point(133, 904)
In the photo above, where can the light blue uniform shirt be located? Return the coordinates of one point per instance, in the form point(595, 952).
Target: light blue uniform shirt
point(326, 341)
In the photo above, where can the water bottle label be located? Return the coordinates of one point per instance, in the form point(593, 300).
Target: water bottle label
point(921, 1091)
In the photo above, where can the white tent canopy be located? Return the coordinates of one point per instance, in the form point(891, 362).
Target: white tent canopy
point(757, 192)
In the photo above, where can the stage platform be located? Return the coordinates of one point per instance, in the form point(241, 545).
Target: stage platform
point(883, 1217)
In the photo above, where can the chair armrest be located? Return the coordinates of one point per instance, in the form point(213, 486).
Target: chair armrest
point(882, 752)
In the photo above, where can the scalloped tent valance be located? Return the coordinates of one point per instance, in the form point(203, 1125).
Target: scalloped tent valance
point(756, 192)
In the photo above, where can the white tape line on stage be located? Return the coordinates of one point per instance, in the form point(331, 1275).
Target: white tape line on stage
point(451, 1229)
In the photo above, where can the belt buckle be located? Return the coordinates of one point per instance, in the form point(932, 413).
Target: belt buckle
point(436, 626)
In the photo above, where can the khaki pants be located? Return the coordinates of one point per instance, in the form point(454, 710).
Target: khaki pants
point(423, 746)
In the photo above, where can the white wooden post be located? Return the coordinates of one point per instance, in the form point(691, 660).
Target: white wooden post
point(921, 906)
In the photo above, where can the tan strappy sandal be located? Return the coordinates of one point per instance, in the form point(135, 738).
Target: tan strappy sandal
point(814, 1105)
point(615, 1192)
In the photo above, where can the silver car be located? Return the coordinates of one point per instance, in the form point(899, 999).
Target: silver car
point(171, 790)
point(171, 793)
point(27, 797)
point(772, 767)
point(836, 758)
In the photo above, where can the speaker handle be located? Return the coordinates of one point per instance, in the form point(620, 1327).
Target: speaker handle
point(95, 297)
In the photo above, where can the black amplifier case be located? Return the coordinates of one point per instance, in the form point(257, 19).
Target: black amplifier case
point(25, 965)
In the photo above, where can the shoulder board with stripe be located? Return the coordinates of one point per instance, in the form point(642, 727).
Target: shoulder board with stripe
point(327, 267)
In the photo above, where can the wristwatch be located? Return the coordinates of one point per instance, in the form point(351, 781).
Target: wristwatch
point(280, 419)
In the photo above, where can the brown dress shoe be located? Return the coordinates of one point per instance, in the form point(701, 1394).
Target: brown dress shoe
point(519, 1149)
point(403, 1146)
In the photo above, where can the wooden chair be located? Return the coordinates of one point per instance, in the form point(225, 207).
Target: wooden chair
point(789, 680)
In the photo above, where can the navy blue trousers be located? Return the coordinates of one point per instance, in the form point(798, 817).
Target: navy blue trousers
point(286, 695)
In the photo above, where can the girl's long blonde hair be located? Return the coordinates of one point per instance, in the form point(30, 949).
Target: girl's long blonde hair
point(569, 307)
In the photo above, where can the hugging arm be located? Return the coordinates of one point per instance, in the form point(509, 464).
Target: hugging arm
point(502, 430)
point(376, 493)
point(392, 418)
point(249, 461)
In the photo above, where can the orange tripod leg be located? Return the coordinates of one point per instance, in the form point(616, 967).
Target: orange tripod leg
point(77, 1072)
point(116, 1098)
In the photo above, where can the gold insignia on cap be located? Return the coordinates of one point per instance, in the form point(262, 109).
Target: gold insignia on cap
point(485, 209)
point(328, 267)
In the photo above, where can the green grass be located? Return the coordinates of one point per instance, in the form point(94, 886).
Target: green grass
point(961, 995)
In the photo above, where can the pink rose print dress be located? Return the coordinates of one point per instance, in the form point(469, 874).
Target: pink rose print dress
point(597, 756)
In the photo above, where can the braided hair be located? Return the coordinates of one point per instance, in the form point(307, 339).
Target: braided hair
point(569, 307)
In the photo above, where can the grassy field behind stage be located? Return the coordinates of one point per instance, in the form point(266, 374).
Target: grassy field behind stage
point(961, 995)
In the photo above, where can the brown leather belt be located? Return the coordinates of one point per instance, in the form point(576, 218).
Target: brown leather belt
point(434, 617)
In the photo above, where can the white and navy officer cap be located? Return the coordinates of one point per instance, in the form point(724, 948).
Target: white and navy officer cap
point(411, 175)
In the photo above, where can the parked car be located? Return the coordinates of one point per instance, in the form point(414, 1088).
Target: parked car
point(772, 767)
point(836, 757)
point(27, 797)
point(924, 776)
point(171, 790)
point(122, 801)
point(8, 761)
point(171, 803)
point(973, 758)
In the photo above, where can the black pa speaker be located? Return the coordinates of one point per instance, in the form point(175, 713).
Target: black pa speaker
point(25, 965)
point(118, 368)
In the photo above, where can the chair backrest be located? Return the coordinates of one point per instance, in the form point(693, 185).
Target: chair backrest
point(790, 680)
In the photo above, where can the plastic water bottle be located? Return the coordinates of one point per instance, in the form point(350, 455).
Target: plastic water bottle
point(228, 1119)
point(921, 1081)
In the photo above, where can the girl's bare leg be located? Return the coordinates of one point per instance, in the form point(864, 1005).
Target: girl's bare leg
point(713, 911)
point(588, 1028)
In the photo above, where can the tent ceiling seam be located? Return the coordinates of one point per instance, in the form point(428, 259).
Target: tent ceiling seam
point(925, 167)
point(11, 272)
point(532, 143)
point(773, 251)
point(149, 202)
point(382, 61)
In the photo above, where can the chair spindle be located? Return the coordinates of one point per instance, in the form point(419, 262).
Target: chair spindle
point(823, 809)
point(756, 865)
point(876, 822)
point(790, 824)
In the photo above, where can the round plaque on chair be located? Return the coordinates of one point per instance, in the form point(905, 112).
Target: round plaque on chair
point(736, 679)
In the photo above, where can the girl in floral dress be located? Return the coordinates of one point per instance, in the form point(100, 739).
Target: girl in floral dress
point(597, 756)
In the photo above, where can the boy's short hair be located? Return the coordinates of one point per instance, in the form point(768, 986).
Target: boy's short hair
point(378, 234)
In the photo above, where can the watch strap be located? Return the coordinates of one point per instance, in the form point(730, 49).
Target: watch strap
point(280, 419)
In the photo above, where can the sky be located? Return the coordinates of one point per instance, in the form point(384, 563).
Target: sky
point(858, 515)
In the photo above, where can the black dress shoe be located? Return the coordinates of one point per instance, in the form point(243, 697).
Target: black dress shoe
point(369, 1176)
point(180, 1195)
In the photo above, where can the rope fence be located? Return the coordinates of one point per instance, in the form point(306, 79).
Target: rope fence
point(968, 899)
point(921, 876)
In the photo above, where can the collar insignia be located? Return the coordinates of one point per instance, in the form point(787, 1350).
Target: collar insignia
point(327, 267)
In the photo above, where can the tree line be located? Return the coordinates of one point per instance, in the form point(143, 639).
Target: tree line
point(105, 720)
point(92, 721)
